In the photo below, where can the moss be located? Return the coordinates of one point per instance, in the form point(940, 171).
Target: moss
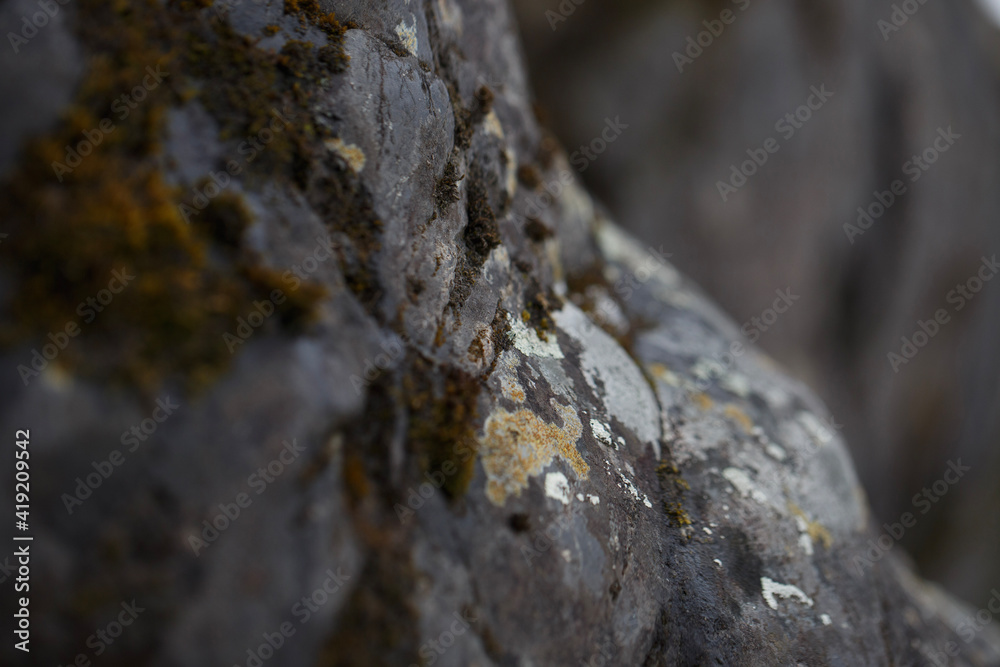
point(296, 58)
point(529, 176)
point(309, 11)
point(355, 479)
point(484, 102)
point(379, 623)
point(346, 209)
point(537, 311)
point(114, 209)
point(481, 233)
point(537, 231)
point(446, 191)
point(467, 118)
point(441, 428)
point(674, 486)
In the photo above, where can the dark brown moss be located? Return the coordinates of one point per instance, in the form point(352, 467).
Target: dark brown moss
point(297, 58)
point(355, 478)
point(538, 307)
point(484, 101)
point(446, 191)
point(378, 624)
point(529, 176)
point(309, 11)
point(346, 208)
point(674, 487)
point(442, 413)
point(481, 233)
point(537, 230)
point(114, 210)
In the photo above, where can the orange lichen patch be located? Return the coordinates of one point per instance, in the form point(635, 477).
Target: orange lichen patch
point(738, 416)
point(702, 400)
point(511, 389)
point(519, 445)
point(817, 532)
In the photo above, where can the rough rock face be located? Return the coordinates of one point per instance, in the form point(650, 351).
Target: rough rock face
point(394, 405)
point(795, 222)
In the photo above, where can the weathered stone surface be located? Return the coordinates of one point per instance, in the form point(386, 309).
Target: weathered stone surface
point(795, 223)
point(509, 435)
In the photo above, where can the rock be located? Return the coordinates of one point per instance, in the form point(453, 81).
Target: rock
point(864, 282)
point(410, 397)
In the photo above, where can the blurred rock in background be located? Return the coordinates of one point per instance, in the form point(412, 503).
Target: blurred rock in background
point(694, 109)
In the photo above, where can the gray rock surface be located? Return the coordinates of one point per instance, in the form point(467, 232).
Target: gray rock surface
point(790, 225)
point(509, 436)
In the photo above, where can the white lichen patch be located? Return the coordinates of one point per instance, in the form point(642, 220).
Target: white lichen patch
point(614, 376)
point(638, 495)
point(408, 35)
point(527, 341)
point(826, 620)
point(617, 246)
point(805, 542)
point(351, 154)
point(557, 486)
point(818, 431)
point(773, 590)
point(742, 483)
point(451, 14)
point(775, 452)
point(736, 383)
point(602, 432)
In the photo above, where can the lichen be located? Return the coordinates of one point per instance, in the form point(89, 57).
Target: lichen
point(518, 445)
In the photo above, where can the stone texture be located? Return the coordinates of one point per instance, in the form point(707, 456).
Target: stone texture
point(522, 442)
